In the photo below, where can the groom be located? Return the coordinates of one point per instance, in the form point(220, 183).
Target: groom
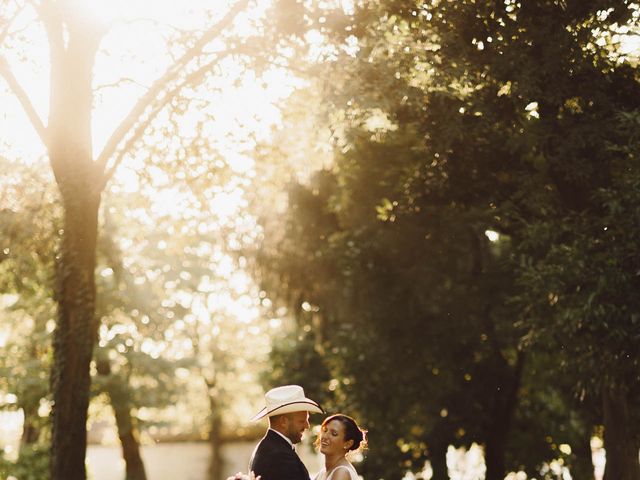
point(288, 411)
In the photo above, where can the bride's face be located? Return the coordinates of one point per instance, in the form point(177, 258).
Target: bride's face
point(332, 440)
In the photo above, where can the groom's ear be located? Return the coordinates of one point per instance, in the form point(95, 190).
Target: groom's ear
point(278, 420)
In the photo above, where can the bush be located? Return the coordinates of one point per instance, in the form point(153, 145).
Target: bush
point(33, 464)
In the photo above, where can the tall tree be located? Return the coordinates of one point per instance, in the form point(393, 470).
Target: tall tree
point(81, 174)
point(512, 117)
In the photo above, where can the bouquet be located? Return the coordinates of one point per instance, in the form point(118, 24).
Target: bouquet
point(244, 476)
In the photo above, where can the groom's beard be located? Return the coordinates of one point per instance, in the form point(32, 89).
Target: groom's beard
point(295, 435)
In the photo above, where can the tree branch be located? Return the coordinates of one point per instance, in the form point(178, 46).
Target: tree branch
point(159, 85)
point(119, 83)
point(24, 100)
point(192, 79)
point(5, 31)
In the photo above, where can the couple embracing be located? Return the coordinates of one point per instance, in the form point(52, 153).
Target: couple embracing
point(287, 409)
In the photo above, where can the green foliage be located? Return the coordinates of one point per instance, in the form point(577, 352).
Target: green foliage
point(296, 360)
point(380, 296)
point(31, 219)
point(33, 464)
point(452, 119)
point(131, 313)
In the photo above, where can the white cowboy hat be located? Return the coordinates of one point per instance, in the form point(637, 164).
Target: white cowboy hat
point(286, 399)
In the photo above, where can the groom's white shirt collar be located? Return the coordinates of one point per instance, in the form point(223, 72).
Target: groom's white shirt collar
point(288, 441)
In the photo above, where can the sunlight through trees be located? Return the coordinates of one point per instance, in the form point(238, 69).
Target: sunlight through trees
point(424, 212)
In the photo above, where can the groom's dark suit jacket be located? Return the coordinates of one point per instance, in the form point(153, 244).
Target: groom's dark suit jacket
point(274, 459)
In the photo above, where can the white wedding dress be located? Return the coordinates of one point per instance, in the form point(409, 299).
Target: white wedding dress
point(322, 474)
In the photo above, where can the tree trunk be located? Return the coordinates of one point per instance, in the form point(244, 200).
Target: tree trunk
point(30, 428)
point(128, 434)
point(73, 46)
point(494, 456)
point(502, 414)
point(438, 461)
point(73, 340)
point(619, 442)
point(117, 388)
point(582, 465)
point(216, 462)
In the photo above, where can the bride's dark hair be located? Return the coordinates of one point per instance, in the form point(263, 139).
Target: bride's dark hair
point(351, 431)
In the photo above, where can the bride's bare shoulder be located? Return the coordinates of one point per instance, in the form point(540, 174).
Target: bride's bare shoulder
point(341, 474)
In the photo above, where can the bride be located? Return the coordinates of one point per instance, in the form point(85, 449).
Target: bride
point(340, 436)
